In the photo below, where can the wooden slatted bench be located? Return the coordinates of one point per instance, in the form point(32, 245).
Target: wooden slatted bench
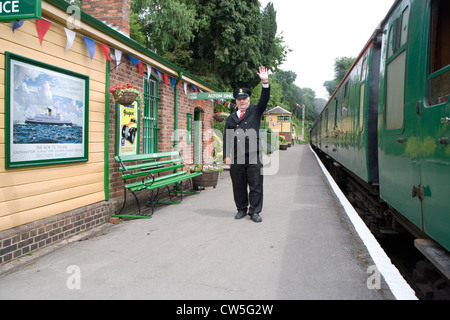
point(143, 172)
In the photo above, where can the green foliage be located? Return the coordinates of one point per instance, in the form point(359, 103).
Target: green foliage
point(341, 67)
point(224, 42)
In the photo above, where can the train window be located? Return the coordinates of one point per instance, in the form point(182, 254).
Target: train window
point(439, 80)
point(363, 70)
point(361, 104)
point(395, 88)
point(395, 71)
point(362, 92)
point(398, 33)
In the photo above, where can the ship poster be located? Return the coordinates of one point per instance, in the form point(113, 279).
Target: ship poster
point(46, 114)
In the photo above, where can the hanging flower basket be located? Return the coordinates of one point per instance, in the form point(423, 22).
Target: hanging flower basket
point(125, 94)
point(219, 117)
point(126, 98)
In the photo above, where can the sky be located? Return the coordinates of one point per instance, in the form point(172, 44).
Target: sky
point(320, 31)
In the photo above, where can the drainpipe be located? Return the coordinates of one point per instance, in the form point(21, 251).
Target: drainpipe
point(175, 120)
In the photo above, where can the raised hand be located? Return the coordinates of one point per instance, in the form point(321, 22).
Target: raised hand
point(263, 74)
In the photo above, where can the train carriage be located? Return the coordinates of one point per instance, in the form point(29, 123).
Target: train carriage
point(388, 123)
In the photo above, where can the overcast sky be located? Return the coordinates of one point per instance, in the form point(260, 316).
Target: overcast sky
point(320, 31)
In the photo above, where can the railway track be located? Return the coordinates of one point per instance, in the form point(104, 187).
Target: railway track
point(396, 240)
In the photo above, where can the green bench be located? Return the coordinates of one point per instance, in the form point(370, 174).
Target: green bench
point(143, 172)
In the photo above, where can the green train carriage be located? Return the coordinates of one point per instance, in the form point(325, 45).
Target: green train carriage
point(391, 128)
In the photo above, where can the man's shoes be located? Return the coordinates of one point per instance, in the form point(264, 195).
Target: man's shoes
point(256, 217)
point(240, 215)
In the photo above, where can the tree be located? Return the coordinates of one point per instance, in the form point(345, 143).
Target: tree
point(165, 26)
point(341, 67)
point(224, 42)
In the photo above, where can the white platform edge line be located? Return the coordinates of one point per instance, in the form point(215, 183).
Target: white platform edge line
point(398, 285)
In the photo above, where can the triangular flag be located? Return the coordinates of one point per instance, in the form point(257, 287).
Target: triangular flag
point(17, 25)
point(159, 74)
point(141, 71)
point(149, 71)
point(118, 55)
point(70, 38)
point(133, 60)
point(165, 79)
point(42, 27)
point(185, 88)
point(90, 44)
point(106, 50)
point(172, 83)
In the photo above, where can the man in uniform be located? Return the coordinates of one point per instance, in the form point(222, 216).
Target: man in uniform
point(242, 150)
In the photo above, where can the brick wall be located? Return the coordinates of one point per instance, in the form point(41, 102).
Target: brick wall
point(28, 238)
point(114, 13)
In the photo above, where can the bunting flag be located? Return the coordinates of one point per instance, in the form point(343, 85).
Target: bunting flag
point(90, 44)
point(118, 56)
point(149, 71)
point(42, 27)
point(70, 38)
point(159, 75)
point(141, 70)
point(106, 51)
point(134, 61)
point(17, 25)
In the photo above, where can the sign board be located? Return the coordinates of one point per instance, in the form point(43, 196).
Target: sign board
point(13, 10)
point(210, 95)
point(128, 129)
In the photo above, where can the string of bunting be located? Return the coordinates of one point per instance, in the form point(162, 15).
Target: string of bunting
point(226, 103)
point(43, 25)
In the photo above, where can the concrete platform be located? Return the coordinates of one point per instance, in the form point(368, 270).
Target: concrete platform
point(306, 248)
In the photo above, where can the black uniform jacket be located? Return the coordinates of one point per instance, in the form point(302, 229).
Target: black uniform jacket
point(241, 137)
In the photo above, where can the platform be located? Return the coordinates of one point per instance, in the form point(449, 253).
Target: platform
point(307, 247)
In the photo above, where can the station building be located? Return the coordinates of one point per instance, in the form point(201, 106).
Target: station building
point(279, 120)
point(60, 66)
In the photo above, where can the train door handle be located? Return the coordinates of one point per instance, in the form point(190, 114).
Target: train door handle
point(444, 141)
point(418, 192)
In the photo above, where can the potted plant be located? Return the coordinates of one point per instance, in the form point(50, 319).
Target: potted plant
point(209, 177)
point(283, 143)
point(125, 94)
point(220, 116)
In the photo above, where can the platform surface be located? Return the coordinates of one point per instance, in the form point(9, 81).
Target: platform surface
point(305, 248)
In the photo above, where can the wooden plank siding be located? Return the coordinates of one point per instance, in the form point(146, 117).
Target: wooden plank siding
point(38, 192)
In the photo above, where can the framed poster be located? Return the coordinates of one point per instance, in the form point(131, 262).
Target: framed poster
point(127, 129)
point(46, 111)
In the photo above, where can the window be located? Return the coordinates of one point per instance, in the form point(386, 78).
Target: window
point(283, 119)
point(189, 127)
point(395, 71)
point(439, 79)
point(362, 92)
point(150, 124)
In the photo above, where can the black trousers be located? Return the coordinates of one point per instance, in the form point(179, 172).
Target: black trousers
point(247, 183)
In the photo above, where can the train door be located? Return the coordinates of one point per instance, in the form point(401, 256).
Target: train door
point(434, 113)
point(398, 149)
